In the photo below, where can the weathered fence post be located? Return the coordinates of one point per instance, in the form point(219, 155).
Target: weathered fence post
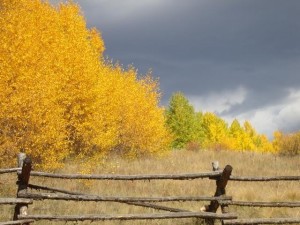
point(23, 179)
point(221, 183)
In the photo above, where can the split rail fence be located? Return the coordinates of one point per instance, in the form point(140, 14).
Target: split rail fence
point(25, 197)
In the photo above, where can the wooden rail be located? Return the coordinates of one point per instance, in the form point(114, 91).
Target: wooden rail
point(26, 221)
point(264, 179)
point(263, 204)
point(13, 201)
point(262, 221)
point(95, 198)
point(129, 177)
point(9, 170)
point(222, 177)
point(132, 216)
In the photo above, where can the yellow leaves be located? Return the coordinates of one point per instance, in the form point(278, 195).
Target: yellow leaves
point(286, 144)
point(132, 106)
point(59, 98)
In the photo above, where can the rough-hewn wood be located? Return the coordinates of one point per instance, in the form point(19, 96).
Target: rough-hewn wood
point(23, 179)
point(21, 158)
point(25, 174)
point(262, 204)
point(38, 187)
point(221, 183)
point(142, 204)
point(158, 207)
point(132, 216)
point(10, 170)
point(129, 177)
point(262, 221)
point(17, 222)
point(54, 196)
point(12, 201)
point(215, 166)
point(272, 178)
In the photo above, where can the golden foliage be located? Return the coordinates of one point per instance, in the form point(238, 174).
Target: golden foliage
point(59, 98)
point(287, 144)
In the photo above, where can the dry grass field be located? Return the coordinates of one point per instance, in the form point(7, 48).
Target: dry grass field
point(244, 164)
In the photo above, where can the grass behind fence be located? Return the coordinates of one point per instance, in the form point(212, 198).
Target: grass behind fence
point(244, 164)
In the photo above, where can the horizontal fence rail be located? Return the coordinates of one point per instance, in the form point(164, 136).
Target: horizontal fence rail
point(190, 176)
point(53, 196)
point(271, 178)
point(10, 170)
point(129, 177)
point(27, 221)
point(262, 221)
point(262, 204)
point(13, 201)
point(204, 215)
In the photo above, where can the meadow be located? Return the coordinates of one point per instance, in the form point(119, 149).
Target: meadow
point(243, 163)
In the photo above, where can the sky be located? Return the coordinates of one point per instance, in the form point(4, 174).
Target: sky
point(237, 58)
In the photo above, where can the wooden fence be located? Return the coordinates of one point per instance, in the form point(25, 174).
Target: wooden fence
point(25, 197)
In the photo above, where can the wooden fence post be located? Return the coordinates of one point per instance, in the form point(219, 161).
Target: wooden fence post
point(221, 183)
point(23, 179)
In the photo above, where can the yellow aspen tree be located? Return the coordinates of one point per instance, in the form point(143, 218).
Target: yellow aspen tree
point(241, 138)
point(129, 106)
point(49, 68)
point(60, 98)
point(30, 116)
point(277, 141)
point(216, 132)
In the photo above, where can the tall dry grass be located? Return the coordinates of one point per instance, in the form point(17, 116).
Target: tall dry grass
point(244, 164)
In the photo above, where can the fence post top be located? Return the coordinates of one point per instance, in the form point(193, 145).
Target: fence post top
point(21, 158)
point(215, 165)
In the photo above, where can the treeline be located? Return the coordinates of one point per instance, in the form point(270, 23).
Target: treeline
point(208, 131)
point(196, 130)
point(61, 99)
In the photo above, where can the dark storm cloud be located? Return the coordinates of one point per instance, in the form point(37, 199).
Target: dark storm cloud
point(208, 47)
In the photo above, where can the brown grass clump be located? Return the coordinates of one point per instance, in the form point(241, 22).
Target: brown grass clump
point(244, 164)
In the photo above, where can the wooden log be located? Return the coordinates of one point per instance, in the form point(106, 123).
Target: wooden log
point(262, 204)
point(12, 201)
point(270, 178)
point(129, 177)
point(158, 207)
point(23, 179)
point(221, 183)
point(54, 196)
point(21, 158)
point(132, 216)
point(142, 204)
point(25, 174)
point(38, 187)
point(9, 170)
point(17, 222)
point(262, 221)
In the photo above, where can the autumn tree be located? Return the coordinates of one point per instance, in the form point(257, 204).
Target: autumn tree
point(241, 138)
point(129, 110)
point(60, 98)
point(287, 144)
point(183, 121)
point(216, 132)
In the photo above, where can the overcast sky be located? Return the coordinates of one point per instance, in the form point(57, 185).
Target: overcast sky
point(237, 58)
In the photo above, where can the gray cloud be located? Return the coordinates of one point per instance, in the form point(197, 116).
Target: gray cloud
point(206, 48)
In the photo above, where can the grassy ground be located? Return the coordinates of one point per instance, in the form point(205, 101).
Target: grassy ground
point(244, 164)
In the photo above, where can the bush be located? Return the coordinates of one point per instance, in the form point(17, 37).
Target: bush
point(290, 144)
point(193, 146)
